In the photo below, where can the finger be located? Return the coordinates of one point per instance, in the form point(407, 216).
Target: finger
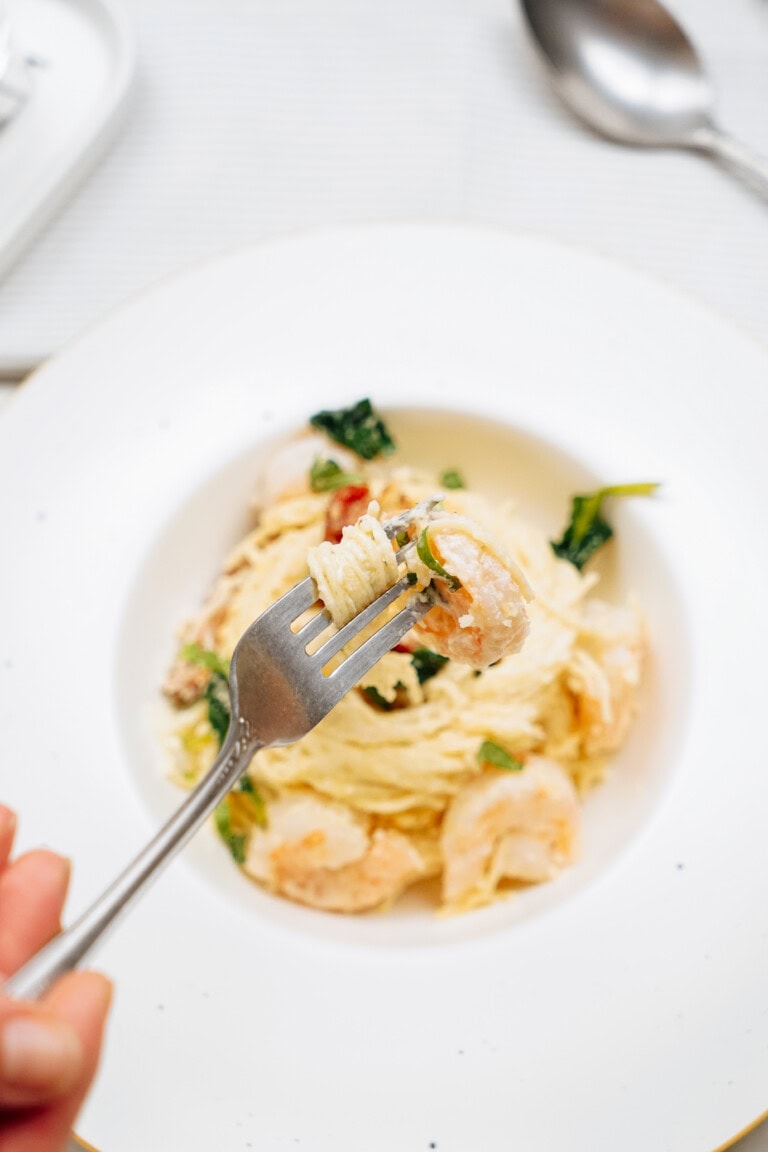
point(80, 1000)
point(7, 833)
point(41, 1056)
point(32, 892)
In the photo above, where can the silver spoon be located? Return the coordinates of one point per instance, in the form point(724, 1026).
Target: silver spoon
point(627, 68)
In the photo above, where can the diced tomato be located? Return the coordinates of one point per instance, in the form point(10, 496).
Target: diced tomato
point(347, 505)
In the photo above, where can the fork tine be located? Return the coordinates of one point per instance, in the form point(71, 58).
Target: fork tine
point(313, 627)
point(423, 508)
point(304, 595)
point(363, 658)
point(291, 605)
point(336, 642)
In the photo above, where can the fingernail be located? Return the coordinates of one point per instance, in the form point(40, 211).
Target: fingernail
point(51, 869)
point(58, 864)
point(98, 990)
point(41, 1055)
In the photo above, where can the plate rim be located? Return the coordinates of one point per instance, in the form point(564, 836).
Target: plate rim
point(140, 301)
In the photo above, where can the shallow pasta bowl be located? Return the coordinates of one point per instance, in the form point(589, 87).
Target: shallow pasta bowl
point(631, 990)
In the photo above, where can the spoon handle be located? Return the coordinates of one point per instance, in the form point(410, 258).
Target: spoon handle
point(748, 165)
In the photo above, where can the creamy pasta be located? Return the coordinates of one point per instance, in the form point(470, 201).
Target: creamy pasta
point(464, 754)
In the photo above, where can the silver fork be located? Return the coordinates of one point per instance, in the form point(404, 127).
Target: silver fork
point(278, 692)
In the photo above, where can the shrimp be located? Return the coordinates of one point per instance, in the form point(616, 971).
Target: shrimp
point(479, 615)
point(287, 470)
point(521, 826)
point(321, 854)
point(606, 675)
point(484, 618)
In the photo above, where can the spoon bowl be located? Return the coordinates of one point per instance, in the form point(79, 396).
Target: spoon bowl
point(628, 70)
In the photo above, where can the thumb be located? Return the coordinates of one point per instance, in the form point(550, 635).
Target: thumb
point(41, 1056)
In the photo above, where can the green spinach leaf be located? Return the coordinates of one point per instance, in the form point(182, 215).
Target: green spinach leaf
point(491, 753)
point(217, 697)
point(427, 663)
point(235, 841)
point(588, 529)
point(327, 476)
point(358, 427)
point(452, 478)
point(194, 654)
point(424, 552)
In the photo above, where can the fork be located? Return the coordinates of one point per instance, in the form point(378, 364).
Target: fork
point(278, 692)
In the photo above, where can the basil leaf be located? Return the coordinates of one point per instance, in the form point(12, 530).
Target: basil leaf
point(492, 753)
point(588, 529)
point(358, 427)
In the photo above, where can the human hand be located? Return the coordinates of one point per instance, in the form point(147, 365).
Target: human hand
point(48, 1049)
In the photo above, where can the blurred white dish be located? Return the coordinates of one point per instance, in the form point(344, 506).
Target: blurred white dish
point(628, 1000)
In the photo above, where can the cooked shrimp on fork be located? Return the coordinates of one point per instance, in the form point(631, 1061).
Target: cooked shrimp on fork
point(479, 614)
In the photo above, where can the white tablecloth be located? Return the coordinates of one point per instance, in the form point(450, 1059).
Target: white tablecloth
point(251, 117)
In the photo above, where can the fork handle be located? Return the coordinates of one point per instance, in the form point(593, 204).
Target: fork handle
point(71, 946)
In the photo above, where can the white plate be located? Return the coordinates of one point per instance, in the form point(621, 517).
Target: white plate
point(626, 1006)
point(84, 53)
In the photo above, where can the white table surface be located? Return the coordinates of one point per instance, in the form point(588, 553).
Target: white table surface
point(254, 117)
